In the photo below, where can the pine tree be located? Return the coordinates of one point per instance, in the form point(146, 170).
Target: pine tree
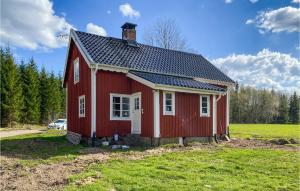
point(283, 111)
point(44, 95)
point(31, 93)
point(63, 96)
point(10, 89)
point(294, 109)
point(54, 101)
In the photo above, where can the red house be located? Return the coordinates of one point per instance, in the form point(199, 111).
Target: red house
point(119, 86)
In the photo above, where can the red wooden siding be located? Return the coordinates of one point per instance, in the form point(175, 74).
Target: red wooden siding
point(110, 82)
point(83, 87)
point(147, 108)
point(221, 115)
point(187, 121)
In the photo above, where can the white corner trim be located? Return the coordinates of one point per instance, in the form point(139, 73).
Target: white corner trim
point(208, 106)
point(173, 103)
point(79, 98)
point(66, 103)
point(227, 110)
point(156, 113)
point(214, 131)
point(93, 100)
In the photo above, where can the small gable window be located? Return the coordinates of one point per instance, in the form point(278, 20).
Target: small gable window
point(169, 103)
point(81, 106)
point(204, 106)
point(76, 70)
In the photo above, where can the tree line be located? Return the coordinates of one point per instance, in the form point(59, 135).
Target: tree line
point(250, 105)
point(27, 94)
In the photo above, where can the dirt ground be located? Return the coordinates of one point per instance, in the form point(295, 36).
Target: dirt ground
point(11, 133)
point(14, 176)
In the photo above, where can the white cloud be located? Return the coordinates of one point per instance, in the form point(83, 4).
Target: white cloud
point(296, 1)
point(95, 29)
point(32, 25)
point(228, 1)
point(266, 69)
point(279, 20)
point(128, 11)
point(253, 1)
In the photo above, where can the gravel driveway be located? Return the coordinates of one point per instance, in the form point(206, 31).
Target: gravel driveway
point(17, 132)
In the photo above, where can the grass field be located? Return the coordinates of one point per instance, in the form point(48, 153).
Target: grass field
point(265, 131)
point(52, 162)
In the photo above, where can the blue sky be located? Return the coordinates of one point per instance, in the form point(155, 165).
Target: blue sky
point(226, 32)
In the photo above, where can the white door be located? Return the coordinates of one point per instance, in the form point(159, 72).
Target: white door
point(136, 114)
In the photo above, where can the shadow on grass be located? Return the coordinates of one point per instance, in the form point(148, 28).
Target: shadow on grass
point(50, 144)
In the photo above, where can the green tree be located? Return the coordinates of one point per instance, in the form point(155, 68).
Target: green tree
point(31, 93)
point(294, 109)
point(11, 99)
point(44, 95)
point(283, 111)
point(62, 95)
point(54, 101)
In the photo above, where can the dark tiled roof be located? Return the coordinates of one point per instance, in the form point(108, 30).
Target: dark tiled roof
point(116, 52)
point(176, 81)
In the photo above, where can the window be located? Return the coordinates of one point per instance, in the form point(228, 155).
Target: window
point(136, 103)
point(169, 103)
point(119, 107)
point(81, 106)
point(76, 70)
point(204, 106)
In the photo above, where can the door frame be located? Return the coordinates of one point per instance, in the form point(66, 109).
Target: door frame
point(139, 94)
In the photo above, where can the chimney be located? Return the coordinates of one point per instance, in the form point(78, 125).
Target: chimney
point(128, 32)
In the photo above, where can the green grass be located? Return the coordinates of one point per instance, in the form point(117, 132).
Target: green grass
point(46, 147)
point(207, 169)
point(265, 131)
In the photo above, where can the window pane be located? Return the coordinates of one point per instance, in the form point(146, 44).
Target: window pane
point(136, 104)
point(125, 106)
point(125, 113)
point(168, 96)
point(116, 113)
point(116, 107)
point(168, 102)
point(168, 108)
point(204, 110)
point(116, 99)
point(204, 104)
point(125, 100)
point(204, 99)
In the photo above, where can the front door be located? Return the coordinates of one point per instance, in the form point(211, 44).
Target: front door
point(136, 113)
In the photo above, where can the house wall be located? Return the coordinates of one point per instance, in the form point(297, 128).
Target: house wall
point(187, 121)
point(221, 115)
point(106, 83)
point(83, 87)
point(113, 82)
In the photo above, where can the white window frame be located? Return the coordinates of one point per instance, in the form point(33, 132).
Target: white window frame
point(79, 106)
point(165, 112)
point(208, 106)
point(76, 66)
point(121, 109)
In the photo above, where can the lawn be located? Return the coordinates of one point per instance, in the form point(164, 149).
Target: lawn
point(221, 168)
point(265, 131)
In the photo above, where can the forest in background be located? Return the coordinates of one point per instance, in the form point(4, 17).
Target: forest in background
point(31, 96)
